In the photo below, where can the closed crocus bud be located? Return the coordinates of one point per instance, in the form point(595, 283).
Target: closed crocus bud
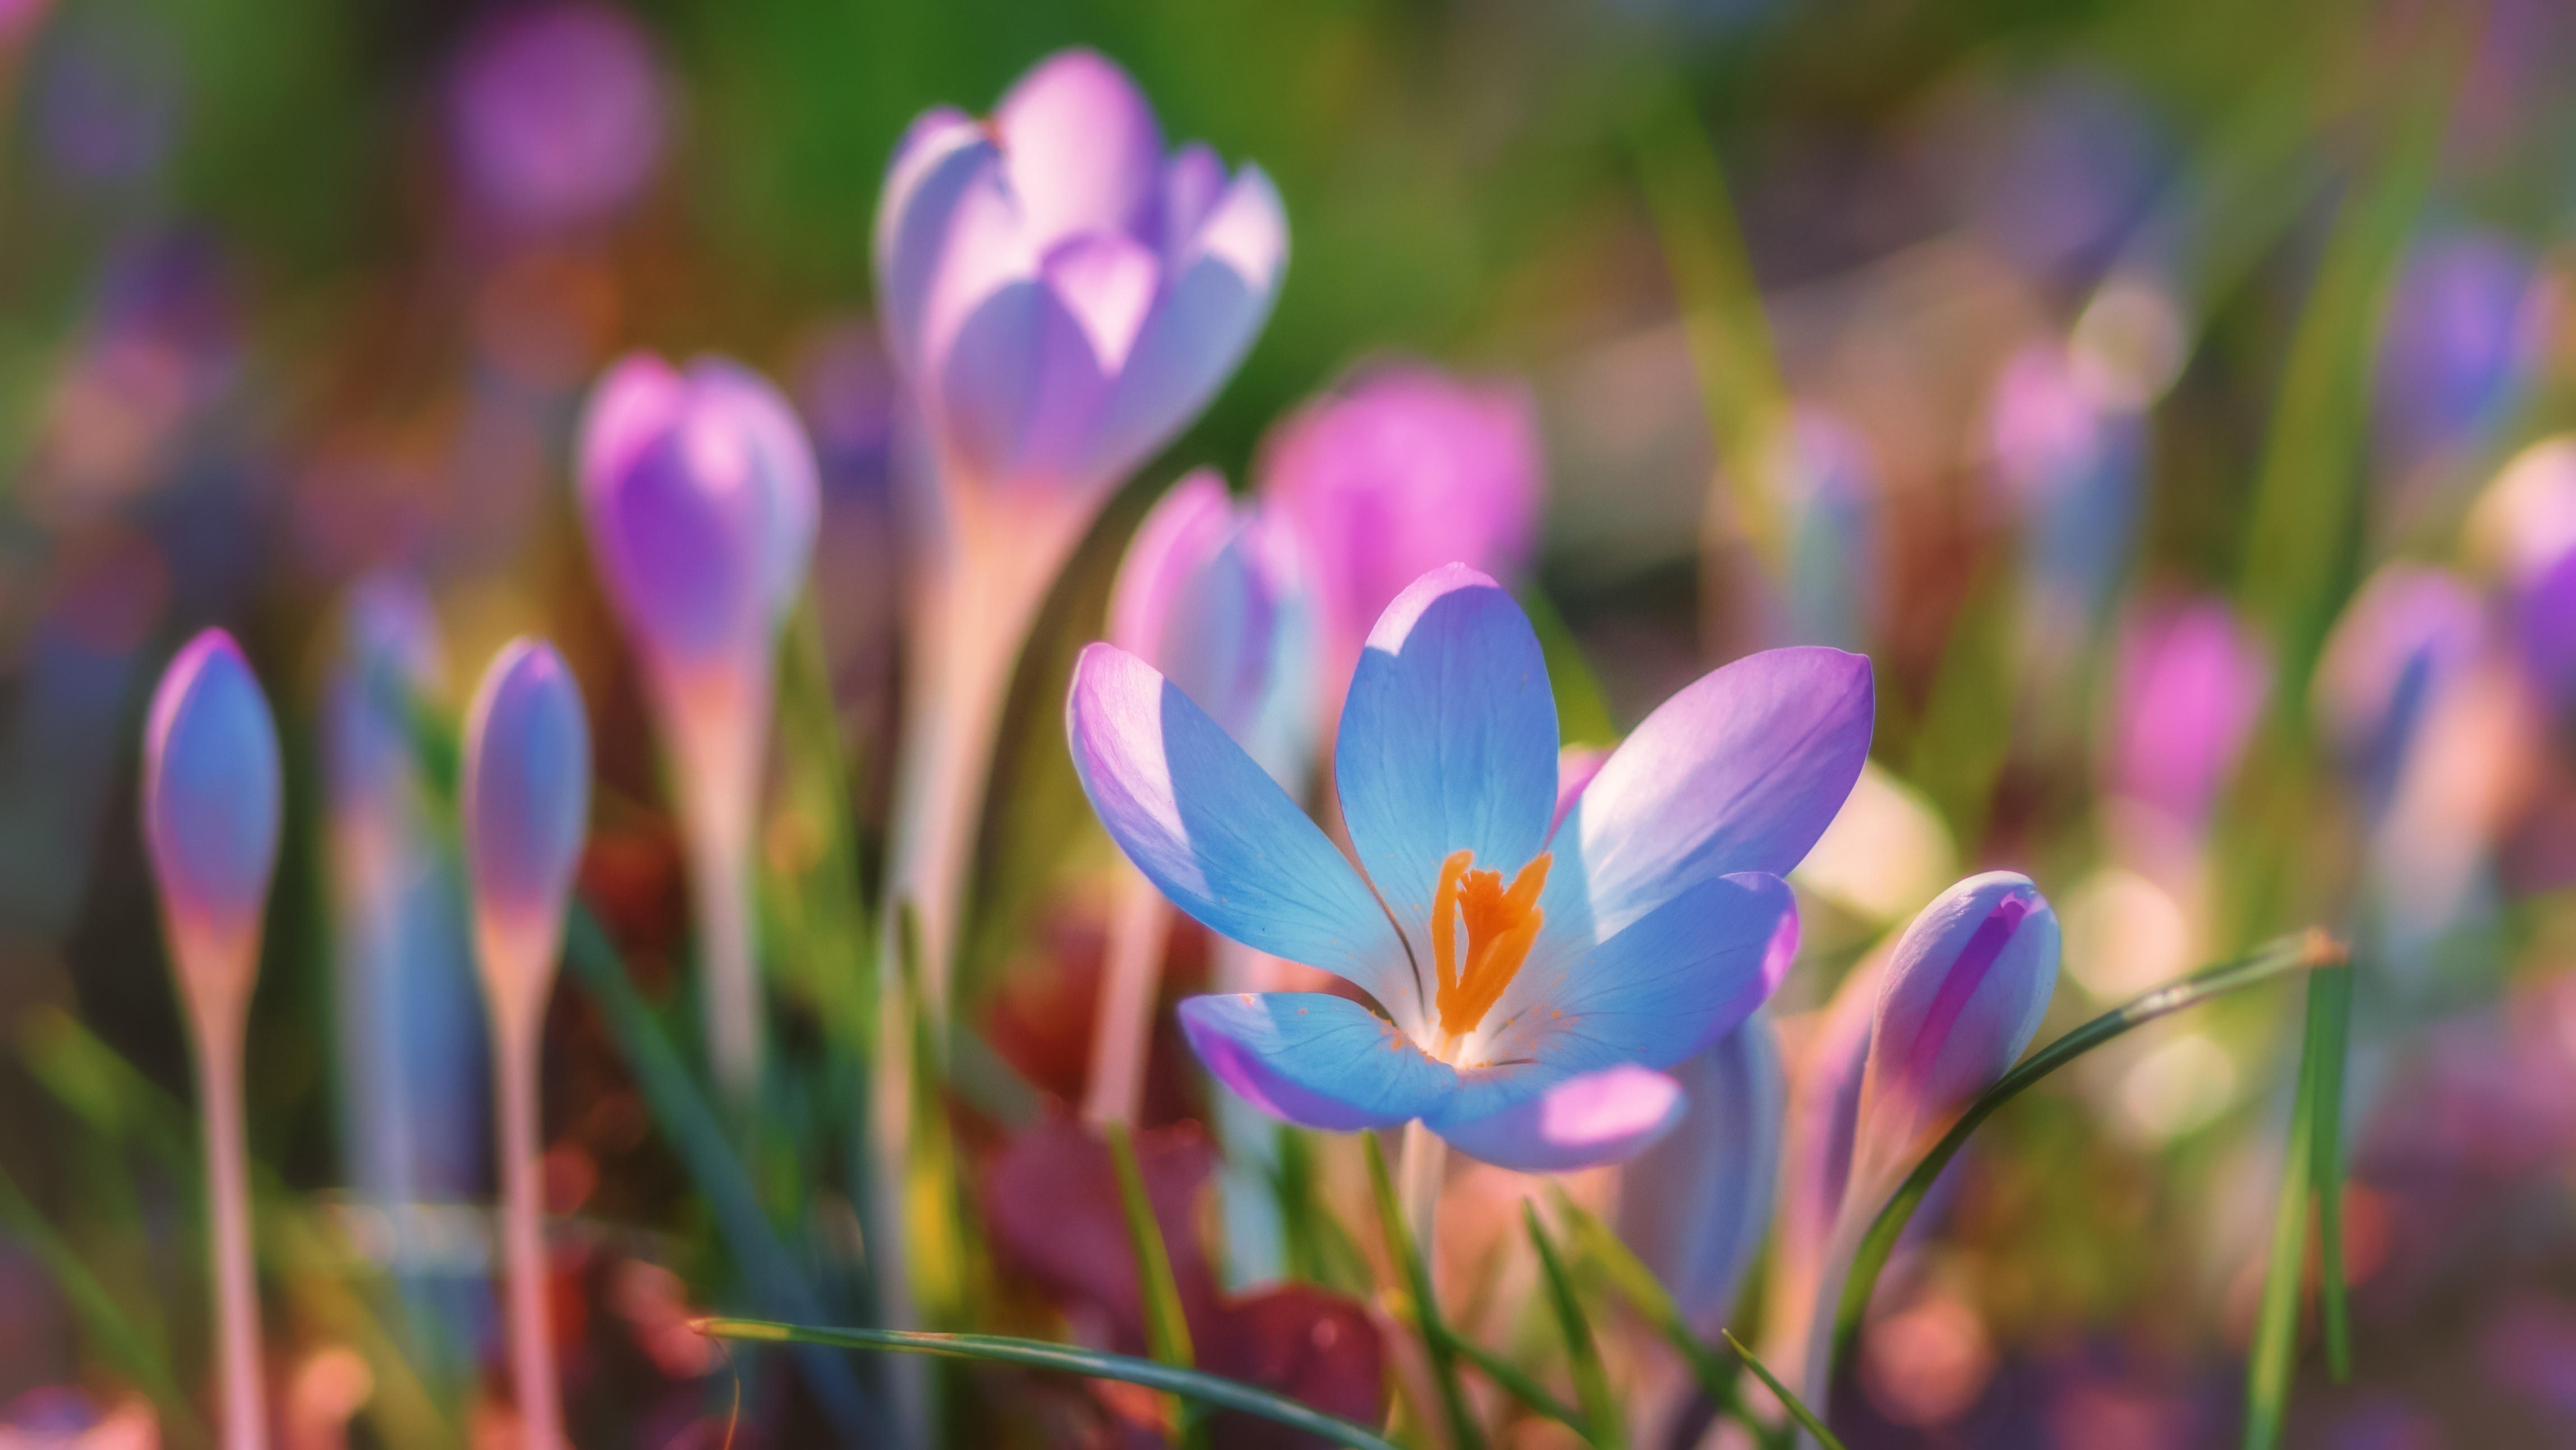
point(2191, 684)
point(526, 801)
point(1401, 470)
point(1061, 294)
point(1697, 1205)
point(2405, 639)
point(556, 112)
point(1964, 991)
point(699, 491)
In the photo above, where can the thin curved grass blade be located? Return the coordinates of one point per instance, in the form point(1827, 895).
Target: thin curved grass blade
point(1198, 1385)
point(1638, 1285)
point(1591, 1379)
point(1436, 1341)
point(1798, 1411)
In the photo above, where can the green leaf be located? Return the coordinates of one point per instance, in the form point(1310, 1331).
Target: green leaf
point(1798, 1411)
point(2311, 1181)
point(1167, 1327)
point(1637, 1284)
point(1040, 1354)
point(2330, 1022)
point(1436, 1343)
point(2300, 951)
point(1591, 1381)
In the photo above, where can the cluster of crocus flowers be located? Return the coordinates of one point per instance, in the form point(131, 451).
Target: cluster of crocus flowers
point(525, 802)
point(1536, 974)
point(699, 491)
point(211, 808)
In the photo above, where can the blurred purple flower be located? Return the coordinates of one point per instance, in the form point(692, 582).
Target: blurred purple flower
point(525, 798)
point(2190, 686)
point(556, 111)
point(2545, 628)
point(2070, 462)
point(2066, 169)
point(2457, 341)
point(1060, 294)
point(1697, 1205)
point(107, 97)
point(1399, 471)
point(1645, 927)
point(1830, 530)
point(700, 495)
point(2406, 636)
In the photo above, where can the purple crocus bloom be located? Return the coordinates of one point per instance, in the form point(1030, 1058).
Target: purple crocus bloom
point(2070, 461)
point(699, 491)
point(2405, 638)
point(1512, 961)
point(1061, 294)
point(2457, 341)
point(1697, 1205)
point(2190, 686)
point(1400, 470)
point(556, 111)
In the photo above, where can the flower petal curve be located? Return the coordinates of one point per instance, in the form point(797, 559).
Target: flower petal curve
point(1609, 1116)
point(1315, 1059)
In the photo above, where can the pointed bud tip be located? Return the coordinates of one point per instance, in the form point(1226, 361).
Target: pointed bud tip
point(526, 792)
point(211, 788)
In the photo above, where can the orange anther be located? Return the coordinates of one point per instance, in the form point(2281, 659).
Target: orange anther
point(1500, 925)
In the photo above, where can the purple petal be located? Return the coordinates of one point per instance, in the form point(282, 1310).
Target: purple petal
point(1081, 146)
point(525, 795)
point(1964, 992)
point(941, 160)
point(1448, 742)
point(1314, 1059)
point(1697, 1206)
point(1216, 834)
point(782, 461)
point(1742, 771)
point(1609, 1116)
point(2190, 687)
point(211, 801)
point(1194, 599)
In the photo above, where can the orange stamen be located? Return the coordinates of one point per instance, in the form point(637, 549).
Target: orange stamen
point(1500, 924)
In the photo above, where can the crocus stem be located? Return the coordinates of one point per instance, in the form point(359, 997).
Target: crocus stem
point(1123, 1032)
point(1418, 1175)
point(219, 1089)
point(718, 716)
point(720, 890)
point(532, 1352)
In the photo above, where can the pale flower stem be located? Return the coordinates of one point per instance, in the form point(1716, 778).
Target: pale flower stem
point(720, 889)
point(718, 720)
point(532, 1352)
point(1123, 1030)
point(219, 1070)
point(1425, 1162)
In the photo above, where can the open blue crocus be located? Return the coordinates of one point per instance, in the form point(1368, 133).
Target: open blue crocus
point(1534, 975)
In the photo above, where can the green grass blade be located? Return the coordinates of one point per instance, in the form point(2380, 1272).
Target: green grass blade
point(1512, 1380)
point(2330, 1021)
point(1193, 1384)
point(1645, 1293)
point(1591, 1380)
point(2298, 952)
point(129, 1349)
point(1167, 1327)
point(1436, 1343)
point(2311, 1183)
point(1798, 1411)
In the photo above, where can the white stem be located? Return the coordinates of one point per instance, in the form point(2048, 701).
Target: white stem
point(720, 890)
point(1122, 1035)
point(716, 718)
point(532, 1351)
point(1417, 1183)
point(237, 1338)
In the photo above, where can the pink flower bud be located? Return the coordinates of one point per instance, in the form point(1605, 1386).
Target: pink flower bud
point(556, 111)
point(210, 810)
point(526, 799)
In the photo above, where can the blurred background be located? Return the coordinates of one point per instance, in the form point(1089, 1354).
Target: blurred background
point(2173, 392)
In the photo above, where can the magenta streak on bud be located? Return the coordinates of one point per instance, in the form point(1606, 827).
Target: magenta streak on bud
point(526, 799)
point(211, 803)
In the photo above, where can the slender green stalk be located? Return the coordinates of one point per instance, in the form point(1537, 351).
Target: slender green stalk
point(1514, 1381)
point(1591, 1380)
point(2330, 1017)
point(1436, 1343)
point(1797, 1409)
point(2300, 951)
point(1637, 1284)
point(1040, 1354)
point(1167, 1327)
point(2311, 1183)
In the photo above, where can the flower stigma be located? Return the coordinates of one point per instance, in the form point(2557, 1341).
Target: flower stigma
point(1500, 924)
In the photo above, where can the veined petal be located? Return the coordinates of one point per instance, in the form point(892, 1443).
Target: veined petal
point(1740, 772)
point(1314, 1059)
point(1448, 741)
point(1600, 1117)
point(1217, 835)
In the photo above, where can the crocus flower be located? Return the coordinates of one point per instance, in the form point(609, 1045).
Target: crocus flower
point(210, 821)
point(2404, 639)
point(1697, 1205)
point(1527, 975)
point(1208, 595)
point(556, 111)
point(2457, 340)
point(526, 805)
point(1401, 469)
point(699, 492)
point(2191, 684)
point(2070, 460)
point(1959, 999)
point(1829, 531)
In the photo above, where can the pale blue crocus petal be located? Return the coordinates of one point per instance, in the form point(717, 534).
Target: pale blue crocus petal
point(1448, 741)
point(1609, 1116)
point(1216, 834)
point(1697, 1204)
point(1742, 771)
point(525, 792)
point(1314, 1059)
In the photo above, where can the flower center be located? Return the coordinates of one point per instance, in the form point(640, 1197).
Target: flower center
point(1500, 924)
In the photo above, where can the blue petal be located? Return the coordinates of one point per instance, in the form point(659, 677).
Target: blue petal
point(1697, 1205)
point(1600, 1117)
point(1448, 741)
point(1216, 834)
point(1315, 1059)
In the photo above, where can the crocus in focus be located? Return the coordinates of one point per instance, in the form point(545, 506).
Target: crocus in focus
point(1535, 982)
point(698, 488)
point(1208, 595)
point(211, 805)
point(556, 112)
point(1697, 1205)
point(2191, 684)
point(1400, 470)
point(526, 805)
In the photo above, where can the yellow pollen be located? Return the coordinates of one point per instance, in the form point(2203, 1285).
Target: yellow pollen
point(1500, 927)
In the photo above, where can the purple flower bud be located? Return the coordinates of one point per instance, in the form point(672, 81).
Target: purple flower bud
point(211, 804)
point(2545, 630)
point(1697, 1205)
point(1061, 295)
point(556, 112)
point(2069, 461)
point(699, 492)
point(526, 805)
point(1829, 532)
point(1400, 471)
point(1208, 595)
point(1963, 993)
point(2405, 638)
point(2459, 338)
point(2191, 684)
